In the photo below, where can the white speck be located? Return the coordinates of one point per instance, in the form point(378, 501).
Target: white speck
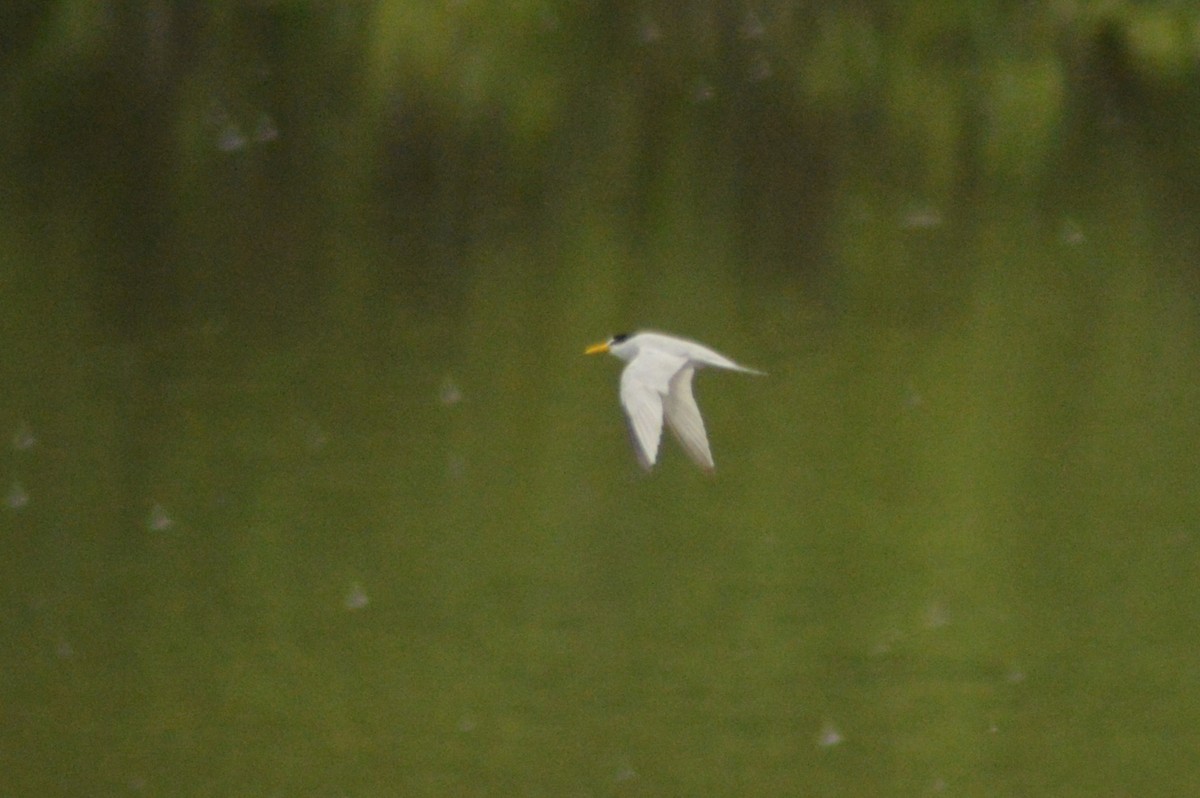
point(936, 616)
point(467, 724)
point(703, 91)
point(16, 498)
point(231, 138)
point(449, 394)
point(921, 218)
point(884, 646)
point(63, 648)
point(648, 31)
point(265, 129)
point(1071, 233)
point(829, 736)
point(356, 598)
point(760, 69)
point(549, 21)
point(159, 520)
point(625, 773)
point(316, 438)
point(1014, 676)
point(23, 439)
point(752, 26)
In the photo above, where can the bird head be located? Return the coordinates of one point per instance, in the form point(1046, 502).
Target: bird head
point(608, 346)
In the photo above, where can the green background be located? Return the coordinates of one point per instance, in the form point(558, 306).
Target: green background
point(309, 490)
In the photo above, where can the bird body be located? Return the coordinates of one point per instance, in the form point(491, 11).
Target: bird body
point(656, 387)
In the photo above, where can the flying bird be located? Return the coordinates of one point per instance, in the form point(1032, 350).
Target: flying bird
point(656, 386)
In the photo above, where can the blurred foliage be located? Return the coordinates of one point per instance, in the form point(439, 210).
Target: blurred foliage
point(457, 118)
point(309, 215)
point(980, 86)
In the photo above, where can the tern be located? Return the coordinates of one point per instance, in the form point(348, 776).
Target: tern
point(656, 386)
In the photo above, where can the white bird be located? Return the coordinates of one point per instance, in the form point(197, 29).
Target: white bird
point(657, 386)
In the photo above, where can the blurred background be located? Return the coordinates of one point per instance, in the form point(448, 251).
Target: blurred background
point(309, 490)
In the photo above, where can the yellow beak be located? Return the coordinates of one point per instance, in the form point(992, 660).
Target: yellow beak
point(596, 349)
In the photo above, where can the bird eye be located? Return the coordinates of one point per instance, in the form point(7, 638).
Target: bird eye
point(619, 337)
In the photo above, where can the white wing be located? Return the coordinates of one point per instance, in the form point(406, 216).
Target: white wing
point(644, 383)
point(683, 417)
point(699, 354)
